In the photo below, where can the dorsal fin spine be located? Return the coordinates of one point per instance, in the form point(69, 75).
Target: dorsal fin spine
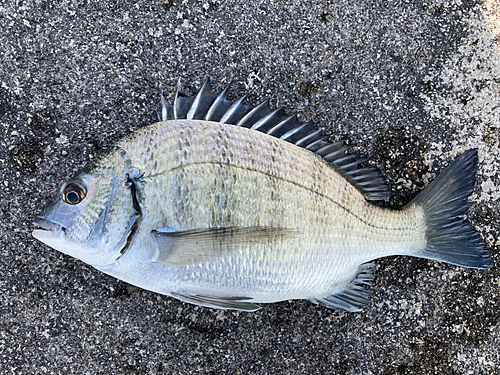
point(220, 98)
point(207, 105)
point(331, 147)
point(264, 119)
point(342, 160)
point(281, 124)
point(263, 106)
point(308, 138)
point(234, 107)
point(293, 131)
point(176, 103)
point(351, 165)
point(196, 102)
point(311, 145)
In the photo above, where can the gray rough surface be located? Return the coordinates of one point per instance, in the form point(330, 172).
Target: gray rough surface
point(410, 83)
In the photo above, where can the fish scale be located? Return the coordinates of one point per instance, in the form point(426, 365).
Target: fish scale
point(226, 205)
point(314, 210)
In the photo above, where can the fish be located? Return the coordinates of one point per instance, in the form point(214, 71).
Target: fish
point(230, 206)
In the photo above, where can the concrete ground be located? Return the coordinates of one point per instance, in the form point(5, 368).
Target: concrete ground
point(411, 84)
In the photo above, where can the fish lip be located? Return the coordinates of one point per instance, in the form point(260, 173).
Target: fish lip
point(48, 225)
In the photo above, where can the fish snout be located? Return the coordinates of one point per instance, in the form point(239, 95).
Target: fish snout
point(48, 225)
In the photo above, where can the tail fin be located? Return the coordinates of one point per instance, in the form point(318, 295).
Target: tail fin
point(449, 238)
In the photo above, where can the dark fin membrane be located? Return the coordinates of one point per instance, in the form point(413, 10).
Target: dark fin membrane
point(225, 303)
point(219, 106)
point(207, 105)
point(449, 238)
point(182, 104)
point(355, 295)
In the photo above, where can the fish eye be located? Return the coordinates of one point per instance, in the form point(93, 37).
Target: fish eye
point(74, 192)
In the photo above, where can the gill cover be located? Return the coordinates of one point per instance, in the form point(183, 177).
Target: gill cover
point(95, 215)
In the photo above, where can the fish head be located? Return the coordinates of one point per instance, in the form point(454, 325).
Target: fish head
point(93, 214)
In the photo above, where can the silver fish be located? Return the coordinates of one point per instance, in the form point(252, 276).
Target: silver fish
point(225, 205)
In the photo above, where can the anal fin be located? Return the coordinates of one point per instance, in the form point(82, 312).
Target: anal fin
point(355, 295)
point(225, 303)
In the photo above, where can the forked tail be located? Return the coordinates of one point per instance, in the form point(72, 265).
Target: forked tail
point(449, 238)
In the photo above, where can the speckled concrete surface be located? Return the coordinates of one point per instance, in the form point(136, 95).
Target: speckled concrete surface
point(411, 84)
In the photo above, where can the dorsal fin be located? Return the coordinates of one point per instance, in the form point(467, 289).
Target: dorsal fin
point(207, 105)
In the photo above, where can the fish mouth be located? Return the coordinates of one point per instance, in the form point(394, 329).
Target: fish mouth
point(48, 225)
point(54, 235)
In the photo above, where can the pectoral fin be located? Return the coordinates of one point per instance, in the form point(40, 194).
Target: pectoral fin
point(225, 303)
point(205, 244)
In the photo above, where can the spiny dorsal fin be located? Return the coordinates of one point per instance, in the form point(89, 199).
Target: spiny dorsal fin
point(207, 105)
